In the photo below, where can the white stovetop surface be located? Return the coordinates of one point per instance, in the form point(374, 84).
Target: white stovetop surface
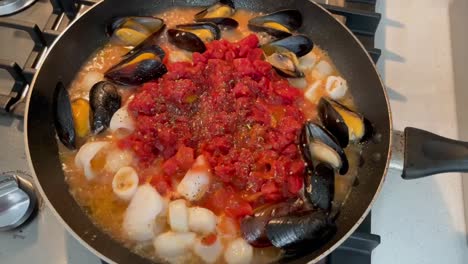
point(424, 62)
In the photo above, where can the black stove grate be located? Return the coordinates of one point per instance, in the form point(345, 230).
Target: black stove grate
point(358, 15)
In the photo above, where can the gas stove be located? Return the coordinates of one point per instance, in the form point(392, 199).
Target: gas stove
point(25, 36)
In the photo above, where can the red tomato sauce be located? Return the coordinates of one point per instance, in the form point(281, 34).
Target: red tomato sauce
point(232, 107)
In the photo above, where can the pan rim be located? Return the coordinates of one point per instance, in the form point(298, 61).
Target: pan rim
point(105, 258)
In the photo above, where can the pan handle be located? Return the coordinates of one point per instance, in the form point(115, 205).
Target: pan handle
point(425, 154)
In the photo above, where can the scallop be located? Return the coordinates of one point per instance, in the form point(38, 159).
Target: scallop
point(322, 70)
point(201, 220)
point(117, 158)
point(311, 92)
point(308, 61)
point(208, 253)
point(125, 183)
point(121, 120)
point(139, 218)
point(336, 87)
point(86, 154)
point(238, 252)
point(196, 181)
point(170, 245)
point(178, 215)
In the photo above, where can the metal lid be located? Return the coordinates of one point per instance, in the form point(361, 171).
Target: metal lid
point(17, 201)
point(11, 6)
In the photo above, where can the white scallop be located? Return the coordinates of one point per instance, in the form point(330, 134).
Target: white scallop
point(179, 56)
point(117, 158)
point(238, 251)
point(201, 220)
point(196, 181)
point(125, 183)
point(300, 83)
point(84, 156)
point(208, 253)
point(322, 70)
point(139, 218)
point(311, 92)
point(308, 61)
point(178, 215)
point(170, 245)
point(336, 87)
point(122, 120)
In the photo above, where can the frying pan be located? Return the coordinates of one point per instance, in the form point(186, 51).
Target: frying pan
point(424, 153)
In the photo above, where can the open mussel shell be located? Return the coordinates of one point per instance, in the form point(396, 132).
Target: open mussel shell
point(319, 186)
point(192, 37)
point(345, 124)
point(104, 100)
point(223, 22)
point(299, 44)
point(138, 67)
point(284, 61)
point(133, 30)
point(301, 230)
point(63, 117)
point(317, 145)
point(279, 24)
point(223, 8)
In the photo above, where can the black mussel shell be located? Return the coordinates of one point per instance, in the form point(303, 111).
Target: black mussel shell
point(335, 117)
point(333, 122)
point(319, 186)
point(300, 231)
point(253, 227)
point(104, 100)
point(321, 146)
point(222, 22)
point(291, 19)
point(149, 44)
point(214, 10)
point(144, 26)
point(138, 67)
point(63, 117)
point(299, 44)
point(185, 37)
point(285, 62)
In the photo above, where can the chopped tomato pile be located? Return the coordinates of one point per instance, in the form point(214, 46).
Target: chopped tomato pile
point(232, 107)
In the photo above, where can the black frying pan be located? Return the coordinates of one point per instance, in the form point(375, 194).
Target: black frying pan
point(425, 152)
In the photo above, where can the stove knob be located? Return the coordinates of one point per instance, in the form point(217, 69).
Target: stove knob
point(17, 201)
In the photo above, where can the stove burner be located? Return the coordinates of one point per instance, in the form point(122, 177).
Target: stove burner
point(8, 7)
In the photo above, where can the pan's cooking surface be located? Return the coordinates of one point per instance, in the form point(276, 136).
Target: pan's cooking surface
point(349, 57)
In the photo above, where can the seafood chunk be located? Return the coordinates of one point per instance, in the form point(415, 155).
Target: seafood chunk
point(63, 117)
point(319, 145)
point(319, 186)
point(84, 157)
point(81, 109)
point(125, 183)
point(279, 24)
point(192, 37)
point(171, 245)
point(178, 215)
point(140, 65)
point(196, 181)
point(299, 230)
point(121, 120)
point(238, 251)
point(336, 87)
point(201, 220)
point(208, 251)
point(139, 218)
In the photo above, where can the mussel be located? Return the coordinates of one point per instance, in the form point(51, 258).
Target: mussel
point(319, 186)
point(219, 14)
point(301, 230)
point(63, 117)
point(192, 37)
point(317, 145)
point(284, 61)
point(279, 24)
point(345, 124)
point(104, 100)
point(138, 66)
point(299, 44)
point(134, 29)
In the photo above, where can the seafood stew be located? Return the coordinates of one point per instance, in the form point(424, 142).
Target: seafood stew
point(227, 147)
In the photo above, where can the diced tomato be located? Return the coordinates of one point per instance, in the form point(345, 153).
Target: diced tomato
point(294, 184)
point(161, 183)
point(185, 157)
point(170, 166)
point(209, 239)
